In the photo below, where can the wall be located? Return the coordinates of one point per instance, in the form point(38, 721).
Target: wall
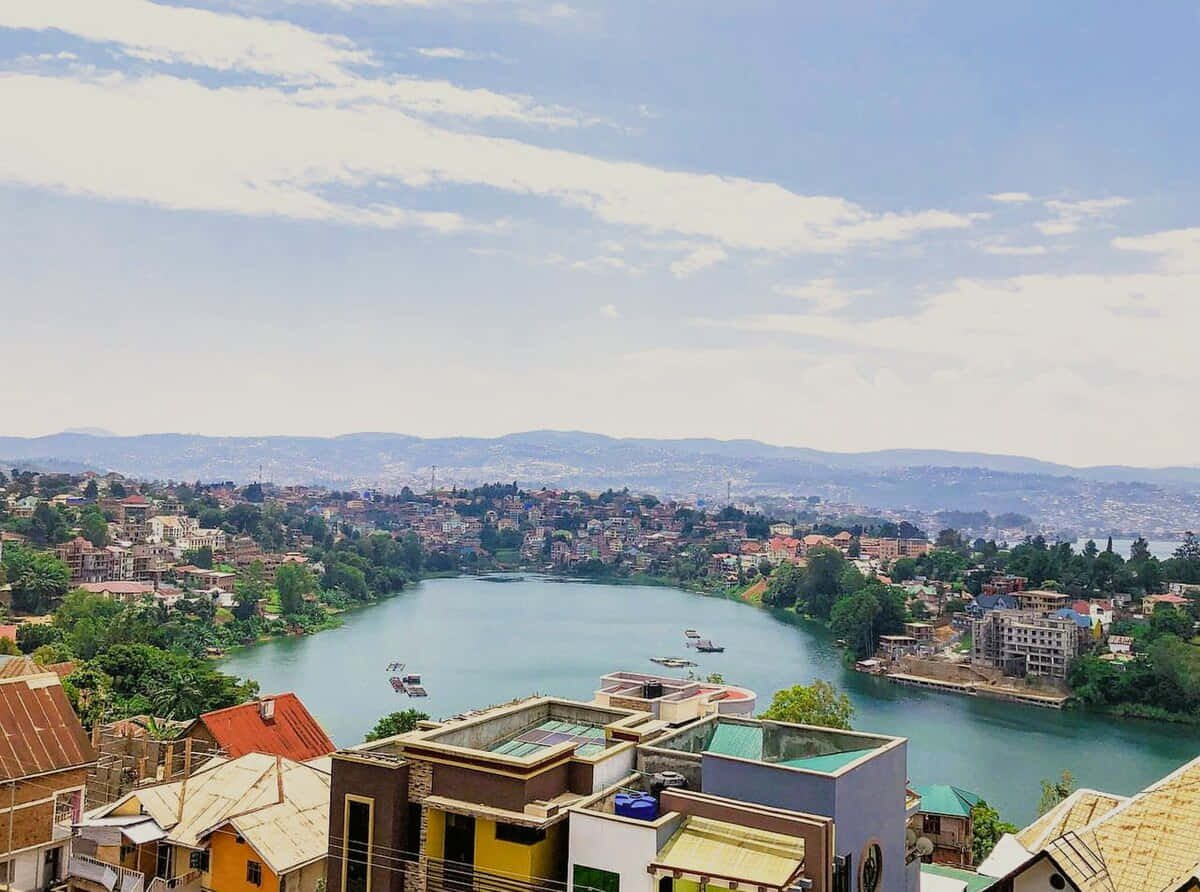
point(606, 843)
point(34, 807)
point(871, 805)
point(387, 783)
point(228, 863)
point(1036, 877)
point(306, 878)
point(612, 767)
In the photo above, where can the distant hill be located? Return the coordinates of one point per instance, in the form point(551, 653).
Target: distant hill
point(921, 479)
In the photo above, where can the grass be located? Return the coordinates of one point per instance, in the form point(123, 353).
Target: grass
point(964, 644)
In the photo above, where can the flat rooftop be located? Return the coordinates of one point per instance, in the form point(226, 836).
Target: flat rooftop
point(822, 750)
point(590, 738)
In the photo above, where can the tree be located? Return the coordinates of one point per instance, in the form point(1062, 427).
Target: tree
point(821, 585)
point(1054, 792)
point(293, 581)
point(116, 489)
point(903, 570)
point(816, 704)
point(36, 577)
point(396, 723)
point(1166, 620)
point(91, 491)
point(853, 620)
point(986, 830)
point(715, 678)
point(31, 636)
point(48, 526)
point(249, 590)
point(8, 647)
point(201, 557)
point(94, 528)
point(177, 696)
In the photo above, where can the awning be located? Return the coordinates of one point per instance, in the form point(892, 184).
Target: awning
point(137, 829)
point(722, 851)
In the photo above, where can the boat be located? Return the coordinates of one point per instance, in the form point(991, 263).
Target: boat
point(415, 690)
point(397, 684)
point(690, 633)
point(871, 667)
point(673, 662)
point(705, 646)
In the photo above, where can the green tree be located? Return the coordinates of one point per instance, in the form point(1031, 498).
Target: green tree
point(249, 589)
point(903, 570)
point(1166, 620)
point(94, 528)
point(90, 693)
point(821, 585)
point(179, 695)
point(293, 581)
point(91, 491)
point(31, 636)
point(396, 723)
point(986, 830)
point(1054, 792)
point(116, 489)
point(818, 704)
point(36, 577)
point(853, 620)
point(8, 647)
point(48, 526)
point(201, 557)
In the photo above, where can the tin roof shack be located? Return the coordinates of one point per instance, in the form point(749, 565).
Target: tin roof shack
point(44, 760)
point(479, 799)
point(693, 840)
point(858, 781)
point(238, 825)
point(673, 700)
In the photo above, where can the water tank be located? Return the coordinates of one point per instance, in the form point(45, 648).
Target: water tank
point(640, 806)
point(652, 690)
point(666, 780)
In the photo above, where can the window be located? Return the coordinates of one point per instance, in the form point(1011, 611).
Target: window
point(6, 872)
point(525, 836)
point(872, 868)
point(127, 853)
point(841, 873)
point(254, 873)
point(932, 824)
point(198, 861)
point(162, 861)
point(592, 879)
point(412, 835)
point(356, 866)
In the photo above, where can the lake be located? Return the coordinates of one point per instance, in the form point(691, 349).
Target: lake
point(478, 642)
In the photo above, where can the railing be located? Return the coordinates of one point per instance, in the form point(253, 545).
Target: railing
point(185, 882)
point(108, 875)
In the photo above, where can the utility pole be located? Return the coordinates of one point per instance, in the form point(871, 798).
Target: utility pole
point(433, 480)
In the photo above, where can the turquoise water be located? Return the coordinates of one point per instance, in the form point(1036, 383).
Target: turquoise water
point(478, 642)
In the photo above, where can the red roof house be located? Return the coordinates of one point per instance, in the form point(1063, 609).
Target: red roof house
point(277, 725)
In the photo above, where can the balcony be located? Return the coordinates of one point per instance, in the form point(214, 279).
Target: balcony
point(185, 882)
point(109, 877)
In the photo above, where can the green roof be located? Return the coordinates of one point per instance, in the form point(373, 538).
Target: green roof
point(975, 882)
point(828, 763)
point(742, 741)
point(943, 799)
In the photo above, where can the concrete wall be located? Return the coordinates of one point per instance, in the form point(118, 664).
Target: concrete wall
point(624, 847)
point(387, 784)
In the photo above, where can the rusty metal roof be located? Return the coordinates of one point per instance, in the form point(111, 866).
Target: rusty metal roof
point(39, 732)
point(291, 731)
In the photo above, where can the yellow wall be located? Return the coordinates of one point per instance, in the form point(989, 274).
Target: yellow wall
point(228, 865)
point(435, 834)
point(544, 859)
point(549, 857)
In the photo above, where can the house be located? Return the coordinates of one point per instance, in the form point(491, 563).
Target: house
point(278, 725)
point(782, 529)
point(945, 820)
point(784, 548)
point(44, 760)
point(1120, 644)
point(984, 603)
point(240, 825)
point(1042, 600)
point(126, 592)
point(479, 801)
point(1150, 602)
point(854, 781)
point(1094, 841)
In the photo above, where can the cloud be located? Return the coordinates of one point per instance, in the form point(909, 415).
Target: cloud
point(1011, 197)
point(824, 295)
point(1015, 250)
point(459, 54)
point(1069, 215)
point(158, 33)
point(701, 258)
point(647, 112)
point(606, 264)
point(1178, 249)
point(165, 140)
point(610, 311)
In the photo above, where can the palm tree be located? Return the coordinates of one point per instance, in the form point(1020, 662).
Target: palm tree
point(178, 695)
point(157, 729)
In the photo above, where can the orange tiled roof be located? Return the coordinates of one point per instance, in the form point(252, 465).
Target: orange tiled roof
point(291, 732)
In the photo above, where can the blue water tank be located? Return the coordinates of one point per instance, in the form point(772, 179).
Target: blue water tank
point(641, 806)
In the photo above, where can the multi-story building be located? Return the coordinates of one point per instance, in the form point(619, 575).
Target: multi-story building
point(945, 820)
point(479, 802)
point(673, 700)
point(1042, 601)
point(891, 549)
point(1020, 643)
point(85, 562)
point(135, 518)
point(44, 760)
point(857, 782)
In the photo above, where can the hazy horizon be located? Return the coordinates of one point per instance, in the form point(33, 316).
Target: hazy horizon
point(845, 226)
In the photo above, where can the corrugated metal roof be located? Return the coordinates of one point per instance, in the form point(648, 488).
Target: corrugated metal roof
point(291, 732)
point(960, 879)
point(741, 741)
point(828, 763)
point(944, 799)
point(1075, 812)
point(715, 848)
point(243, 794)
point(39, 731)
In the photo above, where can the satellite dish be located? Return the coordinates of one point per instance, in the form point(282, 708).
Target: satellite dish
point(924, 846)
point(910, 838)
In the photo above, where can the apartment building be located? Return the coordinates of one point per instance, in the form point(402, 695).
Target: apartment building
point(1042, 601)
point(135, 518)
point(44, 761)
point(890, 549)
point(85, 562)
point(1020, 643)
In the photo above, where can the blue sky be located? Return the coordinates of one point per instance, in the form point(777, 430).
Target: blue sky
point(847, 226)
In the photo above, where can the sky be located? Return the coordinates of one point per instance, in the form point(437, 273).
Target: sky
point(847, 226)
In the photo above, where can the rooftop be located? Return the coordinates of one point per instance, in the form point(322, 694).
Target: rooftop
point(710, 848)
point(808, 748)
point(41, 732)
point(279, 725)
point(944, 799)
